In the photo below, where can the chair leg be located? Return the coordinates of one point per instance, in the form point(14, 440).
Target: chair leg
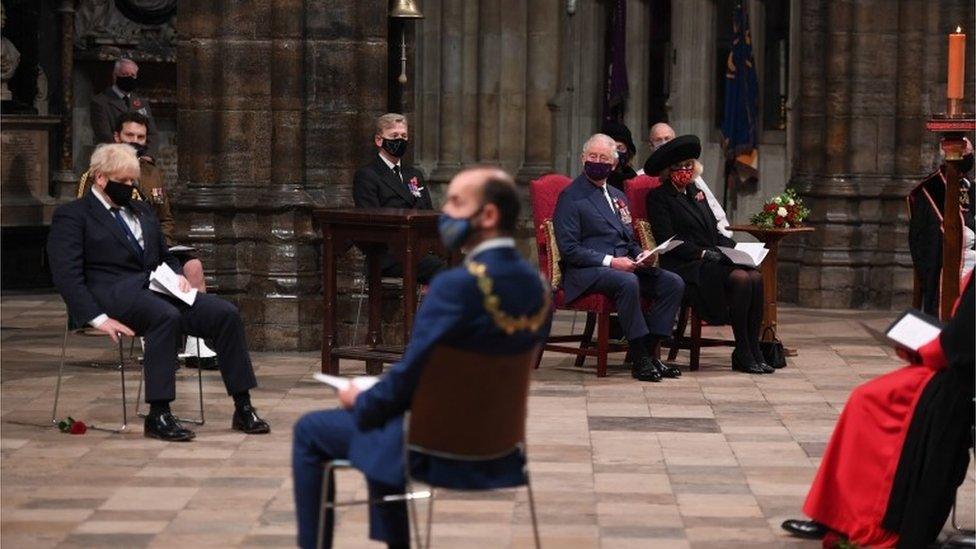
point(602, 338)
point(696, 326)
point(57, 387)
point(125, 403)
point(535, 522)
point(323, 508)
point(430, 516)
point(679, 334)
point(359, 312)
point(587, 341)
point(412, 511)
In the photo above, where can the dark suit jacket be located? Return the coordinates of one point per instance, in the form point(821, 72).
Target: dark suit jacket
point(93, 265)
point(376, 186)
point(587, 230)
point(451, 314)
point(671, 214)
point(108, 106)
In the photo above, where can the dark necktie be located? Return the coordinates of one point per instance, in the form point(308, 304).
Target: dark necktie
point(396, 171)
point(128, 102)
point(128, 232)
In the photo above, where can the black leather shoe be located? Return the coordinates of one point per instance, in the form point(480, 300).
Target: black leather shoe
point(247, 420)
point(745, 364)
point(808, 529)
point(165, 426)
point(643, 369)
point(205, 363)
point(766, 368)
point(666, 369)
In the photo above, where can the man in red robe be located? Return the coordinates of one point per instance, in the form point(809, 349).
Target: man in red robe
point(900, 448)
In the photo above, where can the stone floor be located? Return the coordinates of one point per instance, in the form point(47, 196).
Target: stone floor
point(714, 459)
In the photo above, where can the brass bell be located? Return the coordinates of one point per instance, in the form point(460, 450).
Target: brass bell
point(405, 9)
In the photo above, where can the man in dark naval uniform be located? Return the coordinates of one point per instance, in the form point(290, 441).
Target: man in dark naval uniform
point(388, 183)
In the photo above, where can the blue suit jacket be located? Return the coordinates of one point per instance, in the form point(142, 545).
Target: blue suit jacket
point(451, 314)
point(587, 230)
point(93, 265)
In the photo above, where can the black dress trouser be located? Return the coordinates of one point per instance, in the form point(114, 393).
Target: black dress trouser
point(162, 321)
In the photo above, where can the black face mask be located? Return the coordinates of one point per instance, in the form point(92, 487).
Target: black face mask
point(396, 147)
point(126, 83)
point(140, 149)
point(119, 193)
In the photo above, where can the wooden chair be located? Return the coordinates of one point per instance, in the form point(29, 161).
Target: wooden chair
point(468, 406)
point(598, 307)
point(636, 191)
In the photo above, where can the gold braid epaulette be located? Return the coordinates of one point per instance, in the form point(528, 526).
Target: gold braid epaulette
point(503, 320)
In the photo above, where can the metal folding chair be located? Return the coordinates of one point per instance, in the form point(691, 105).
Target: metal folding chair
point(467, 406)
point(68, 327)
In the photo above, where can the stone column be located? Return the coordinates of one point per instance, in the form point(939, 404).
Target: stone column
point(542, 60)
point(871, 92)
point(65, 175)
point(276, 106)
point(489, 79)
point(451, 114)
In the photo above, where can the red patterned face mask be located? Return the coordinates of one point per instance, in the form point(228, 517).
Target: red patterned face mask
point(682, 177)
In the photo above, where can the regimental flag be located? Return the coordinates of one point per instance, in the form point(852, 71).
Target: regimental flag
point(615, 87)
point(741, 105)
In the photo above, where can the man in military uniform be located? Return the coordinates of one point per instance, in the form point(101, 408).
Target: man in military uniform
point(480, 215)
point(925, 229)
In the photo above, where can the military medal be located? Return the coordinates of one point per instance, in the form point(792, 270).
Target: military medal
point(624, 211)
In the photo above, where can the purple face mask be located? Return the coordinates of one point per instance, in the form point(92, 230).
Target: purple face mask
point(597, 171)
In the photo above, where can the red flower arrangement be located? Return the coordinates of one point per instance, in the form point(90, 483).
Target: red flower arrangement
point(782, 212)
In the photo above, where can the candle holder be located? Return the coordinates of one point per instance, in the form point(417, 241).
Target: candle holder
point(952, 127)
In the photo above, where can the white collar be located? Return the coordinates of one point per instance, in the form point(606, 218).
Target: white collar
point(387, 162)
point(490, 244)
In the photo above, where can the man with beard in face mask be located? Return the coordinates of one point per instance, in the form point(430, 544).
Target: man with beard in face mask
point(388, 183)
point(102, 248)
point(598, 249)
point(495, 304)
point(118, 99)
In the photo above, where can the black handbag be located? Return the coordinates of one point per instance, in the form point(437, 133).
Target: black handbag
point(772, 350)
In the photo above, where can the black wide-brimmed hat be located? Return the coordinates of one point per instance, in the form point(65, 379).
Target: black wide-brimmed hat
point(679, 149)
point(619, 132)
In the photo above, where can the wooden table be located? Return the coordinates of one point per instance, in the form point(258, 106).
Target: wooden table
point(771, 238)
point(406, 233)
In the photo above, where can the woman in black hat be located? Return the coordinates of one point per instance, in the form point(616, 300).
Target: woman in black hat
point(722, 293)
point(625, 152)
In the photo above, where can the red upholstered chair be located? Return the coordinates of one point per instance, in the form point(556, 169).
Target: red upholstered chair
point(636, 191)
point(544, 192)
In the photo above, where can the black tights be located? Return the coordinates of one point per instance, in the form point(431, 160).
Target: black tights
point(744, 293)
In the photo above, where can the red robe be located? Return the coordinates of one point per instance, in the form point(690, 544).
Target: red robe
point(850, 492)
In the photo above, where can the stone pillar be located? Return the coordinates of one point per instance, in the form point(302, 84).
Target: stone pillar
point(489, 78)
point(265, 92)
point(542, 59)
point(64, 177)
point(861, 132)
point(451, 114)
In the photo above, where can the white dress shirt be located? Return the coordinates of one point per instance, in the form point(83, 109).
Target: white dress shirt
point(607, 259)
point(391, 165)
point(133, 222)
point(490, 244)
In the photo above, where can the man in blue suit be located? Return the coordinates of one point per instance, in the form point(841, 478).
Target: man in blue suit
point(102, 248)
point(479, 217)
point(598, 248)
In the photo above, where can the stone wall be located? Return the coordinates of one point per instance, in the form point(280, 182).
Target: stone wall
point(871, 73)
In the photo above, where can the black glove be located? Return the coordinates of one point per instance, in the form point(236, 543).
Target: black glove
point(711, 255)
